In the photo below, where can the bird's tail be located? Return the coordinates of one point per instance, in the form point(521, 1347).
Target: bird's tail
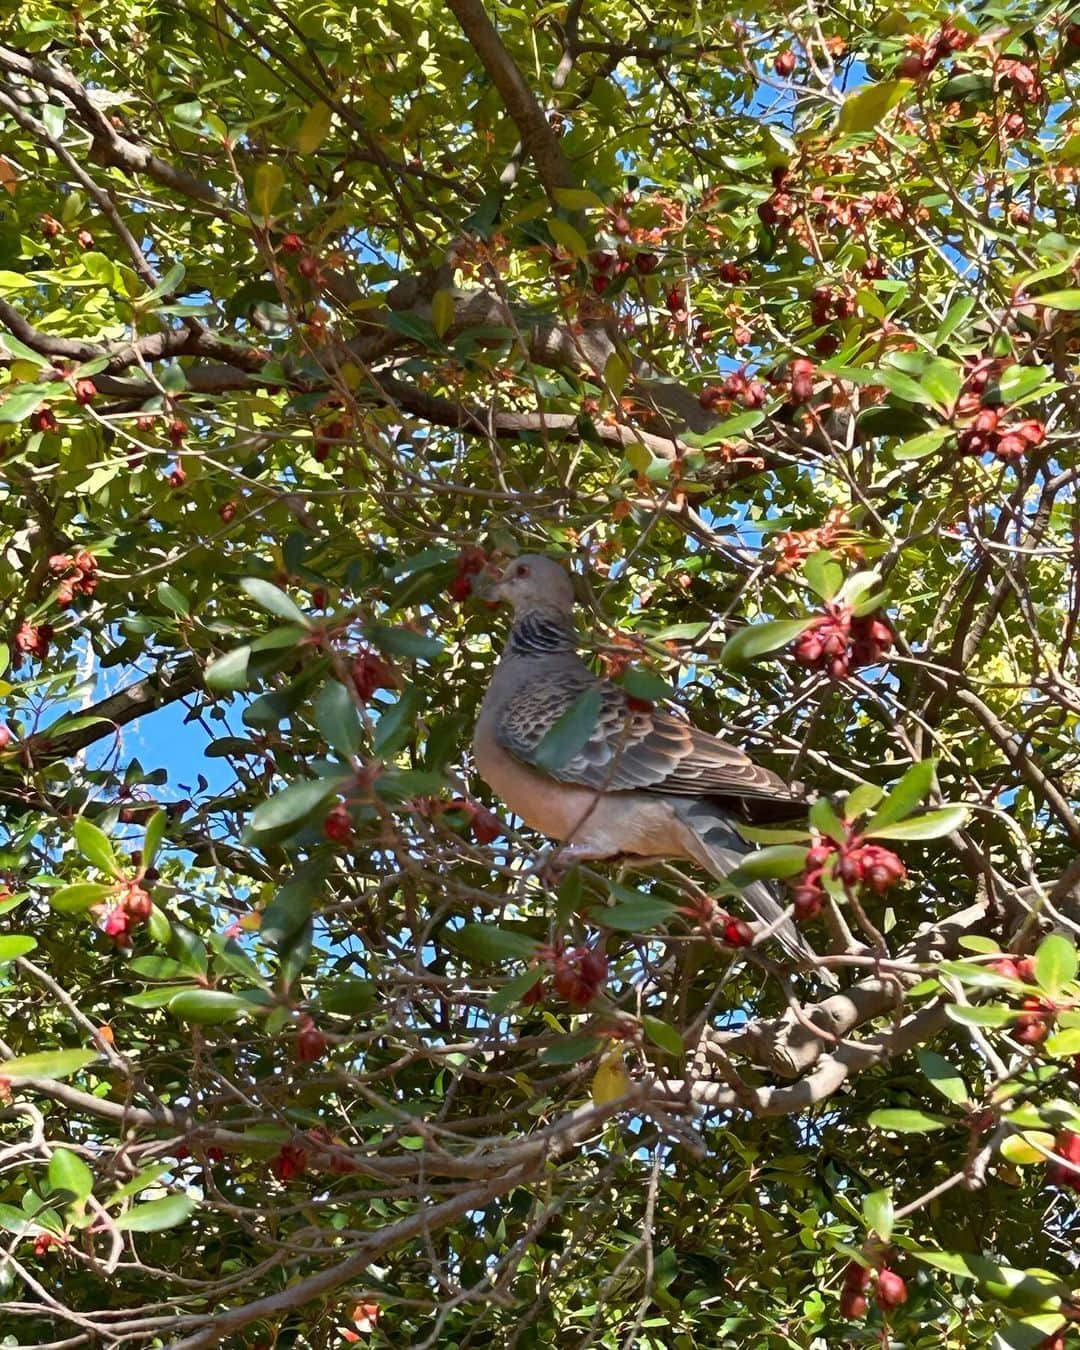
point(716, 845)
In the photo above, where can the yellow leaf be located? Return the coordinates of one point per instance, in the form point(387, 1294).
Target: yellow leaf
point(615, 373)
point(1021, 1148)
point(314, 128)
point(577, 199)
point(611, 1080)
point(570, 239)
point(442, 311)
point(269, 180)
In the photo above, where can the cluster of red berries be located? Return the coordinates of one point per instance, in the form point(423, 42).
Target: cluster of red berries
point(1025, 83)
point(77, 575)
point(131, 910)
point(733, 273)
point(838, 640)
point(370, 672)
point(44, 1241)
point(605, 266)
point(735, 389)
point(470, 562)
point(1009, 443)
point(828, 303)
point(854, 863)
point(733, 931)
point(890, 1291)
point(1036, 1014)
point(291, 1160)
point(577, 975)
point(924, 56)
point(32, 639)
point(484, 825)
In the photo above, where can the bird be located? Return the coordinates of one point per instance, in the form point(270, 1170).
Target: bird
point(646, 782)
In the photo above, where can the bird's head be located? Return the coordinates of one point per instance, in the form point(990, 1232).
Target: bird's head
point(533, 582)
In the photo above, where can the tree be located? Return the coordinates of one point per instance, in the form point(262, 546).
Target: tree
point(765, 321)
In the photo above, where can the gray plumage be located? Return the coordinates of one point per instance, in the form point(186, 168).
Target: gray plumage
point(646, 782)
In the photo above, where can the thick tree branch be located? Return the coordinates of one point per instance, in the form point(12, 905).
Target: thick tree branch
point(540, 142)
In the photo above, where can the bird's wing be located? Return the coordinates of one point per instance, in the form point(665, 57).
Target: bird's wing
point(633, 744)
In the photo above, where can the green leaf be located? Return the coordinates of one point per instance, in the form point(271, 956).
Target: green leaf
point(909, 791)
point(633, 911)
point(19, 405)
point(156, 1215)
point(157, 968)
point(564, 233)
point(95, 846)
point(1063, 1044)
point(68, 1172)
point(866, 108)
point(905, 1120)
point(514, 989)
point(397, 726)
point(297, 803)
point(403, 642)
point(229, 672)
point(877, 1208)
point(1055, 964)
point(569, 734)
point(338, 721)
point(488, 943)
point(1065, 300)
point(985, 1015)
point(206, 1006)
point(349, 995)
point(289, 911)
point(155, 833)
point(779, 860)
point(144, 1178)
point(570, 1050)
point(918, 447)
point(823, 574)
point(954, 317)
point(274, 600)
point(942, 1076)
point(78, 896)
point(862, 799)
point(664, 1035)
point(172, 599)
point(824, 819)
point(727, 430)
point(47, 1064)
point(759, 639)
point(158, 998)
point(932, 825)
point(15, 944)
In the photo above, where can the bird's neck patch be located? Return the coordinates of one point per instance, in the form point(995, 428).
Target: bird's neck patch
point(541, 632)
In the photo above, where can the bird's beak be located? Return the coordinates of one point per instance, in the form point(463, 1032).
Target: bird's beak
point(487, 585)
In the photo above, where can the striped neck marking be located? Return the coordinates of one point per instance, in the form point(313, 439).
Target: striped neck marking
point(541, 632)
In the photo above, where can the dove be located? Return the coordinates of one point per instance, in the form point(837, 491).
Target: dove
point(646, 783)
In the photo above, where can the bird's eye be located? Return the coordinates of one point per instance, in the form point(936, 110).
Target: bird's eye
point(521, 570)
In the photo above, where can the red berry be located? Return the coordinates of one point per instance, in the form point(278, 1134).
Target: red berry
point(227, 511)
point(737, 932)
point(289, 1163)
point(50, 226)
point(5, 736)
point(177, 478)
point(852, 1304)
point(646, 263)
point(176, 430)
point(85, 391)
point(44, 419)
point(292, 243)
point(579, 975)
point(310, 1042)
point(85, 239)
point(371, 672)
point(308, 266)
point(338, 825)
point(785, 63)
point(621, 225)
point(891, 1290)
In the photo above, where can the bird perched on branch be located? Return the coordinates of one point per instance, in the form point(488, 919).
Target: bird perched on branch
point(625, 777)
